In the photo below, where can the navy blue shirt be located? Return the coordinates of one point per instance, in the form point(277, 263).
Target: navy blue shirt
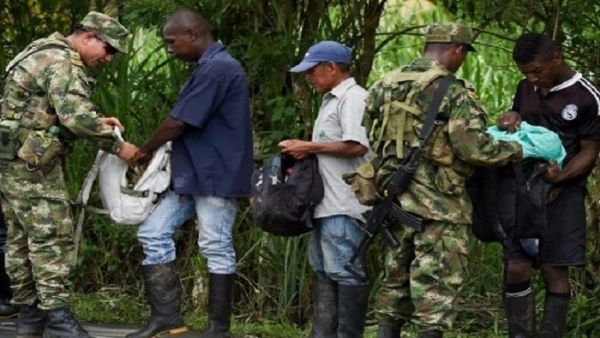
point(213, 156)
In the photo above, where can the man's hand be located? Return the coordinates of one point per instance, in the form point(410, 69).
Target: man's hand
point(298, 149)
point(141, 158)
point(509, 121)
point(111, 123)
point(127, 151)
point(551, 176)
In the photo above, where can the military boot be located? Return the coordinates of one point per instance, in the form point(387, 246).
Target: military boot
point(352, 310)
point(220, 294)
point(555, 317)
point(163, 290)
point(520, 315)
point(7, 310)
point(62, 324)
point(325, 309)
point(31, 321)
point(388, 331)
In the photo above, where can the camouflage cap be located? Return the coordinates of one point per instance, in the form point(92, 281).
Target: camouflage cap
point(108, 29)
point(448, 33)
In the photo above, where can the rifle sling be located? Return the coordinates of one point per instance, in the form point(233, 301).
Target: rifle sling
point(428, 125)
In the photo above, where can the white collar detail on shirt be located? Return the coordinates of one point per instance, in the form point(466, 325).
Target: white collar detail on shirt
point(342, 87)
point(567, 83)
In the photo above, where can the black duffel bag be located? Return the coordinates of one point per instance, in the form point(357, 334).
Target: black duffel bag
point(286, 192)
point(509, 202)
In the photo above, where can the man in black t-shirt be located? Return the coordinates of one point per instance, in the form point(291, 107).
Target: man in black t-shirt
point(556, 97)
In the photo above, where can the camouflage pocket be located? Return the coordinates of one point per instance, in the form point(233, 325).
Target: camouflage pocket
point(441, 151)
point(9, 141)
point(449, 182)
point(39, 148)
point(362, 183)
point(38, 119)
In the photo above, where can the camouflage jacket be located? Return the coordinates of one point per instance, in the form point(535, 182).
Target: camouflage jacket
point(456, 147)
point(52, 87)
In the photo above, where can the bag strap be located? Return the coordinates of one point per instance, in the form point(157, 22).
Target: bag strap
point(82, 200)
point(84, 195)
point(426, 130)
point(434, 107)
point(86, 188)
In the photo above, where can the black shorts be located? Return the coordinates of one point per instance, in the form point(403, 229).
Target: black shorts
point(563, 243)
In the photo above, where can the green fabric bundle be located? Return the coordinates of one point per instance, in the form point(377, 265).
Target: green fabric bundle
point(536, 141)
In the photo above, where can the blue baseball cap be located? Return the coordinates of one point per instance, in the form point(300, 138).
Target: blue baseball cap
point(324, 51)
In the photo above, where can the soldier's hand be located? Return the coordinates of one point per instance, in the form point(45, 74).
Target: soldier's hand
point(509, 121)
point(111, 123)
point(551, 176)
point(128, 151)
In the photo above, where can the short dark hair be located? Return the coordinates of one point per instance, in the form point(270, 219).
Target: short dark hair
point(534, 46)
point(344, 67)
point(189, 19)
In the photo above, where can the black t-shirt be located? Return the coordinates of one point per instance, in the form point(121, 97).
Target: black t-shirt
point(571, 109)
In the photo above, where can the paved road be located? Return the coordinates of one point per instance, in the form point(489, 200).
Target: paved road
point(8, 327)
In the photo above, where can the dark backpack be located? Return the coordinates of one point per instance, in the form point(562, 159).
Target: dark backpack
point(286, 192)
point(509, 202)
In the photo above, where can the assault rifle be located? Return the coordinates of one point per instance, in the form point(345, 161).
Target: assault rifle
point(387, 212)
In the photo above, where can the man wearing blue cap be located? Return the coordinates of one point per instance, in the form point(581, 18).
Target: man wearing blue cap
point(341, 145)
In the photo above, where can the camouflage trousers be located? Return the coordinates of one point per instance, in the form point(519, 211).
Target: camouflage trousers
point(423, 276)
point(39, 243)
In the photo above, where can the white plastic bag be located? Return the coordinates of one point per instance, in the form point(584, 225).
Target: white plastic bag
point(132, 205)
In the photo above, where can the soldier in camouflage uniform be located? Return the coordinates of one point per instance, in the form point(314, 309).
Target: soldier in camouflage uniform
point(424, 274)
point(47, 106)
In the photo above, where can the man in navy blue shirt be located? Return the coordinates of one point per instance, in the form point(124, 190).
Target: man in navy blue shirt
point(210, 129)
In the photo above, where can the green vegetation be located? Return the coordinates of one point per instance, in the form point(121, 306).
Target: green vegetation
point(273, 281)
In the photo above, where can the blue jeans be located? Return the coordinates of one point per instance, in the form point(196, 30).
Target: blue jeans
point(216, 216)
point(333, 242)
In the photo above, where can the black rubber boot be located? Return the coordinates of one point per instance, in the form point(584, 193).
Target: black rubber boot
point(388, 331)
point(32, 321)
point(555, 316)
point(520, 315)
point(220, 293)
point(163, 290)
point(325, 309)
point(352, 310)
point(430, 334)
point(7, 310)
point(62, 324)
